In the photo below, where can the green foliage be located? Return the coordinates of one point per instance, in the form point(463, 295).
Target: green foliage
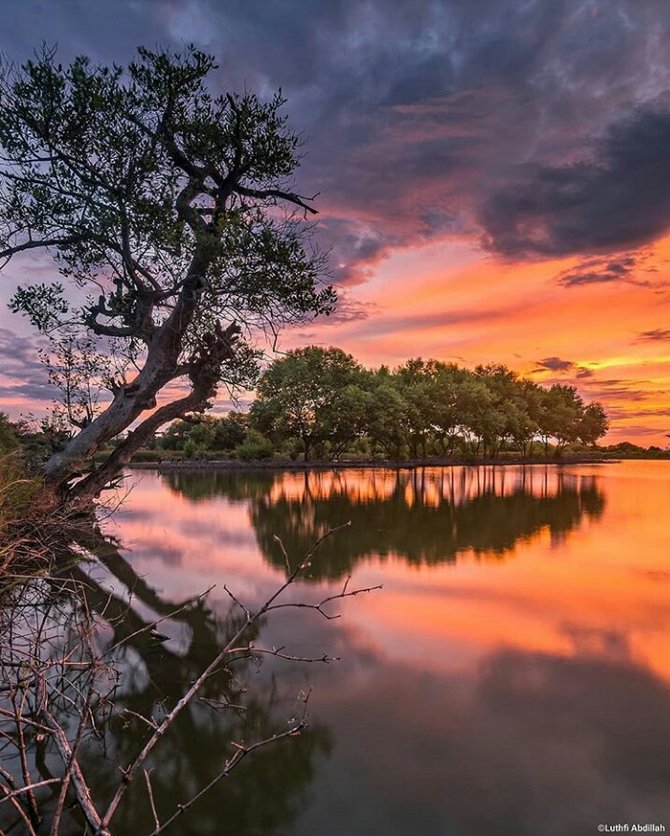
point(325, 400)
point(314, 394)
point(229, 431)
point(205, 436)
point(255, 447)
point(8, 434)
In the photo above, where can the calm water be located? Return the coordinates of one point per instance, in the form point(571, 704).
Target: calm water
point(512, 677)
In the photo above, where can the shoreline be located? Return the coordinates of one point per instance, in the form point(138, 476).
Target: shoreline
point(408, 464)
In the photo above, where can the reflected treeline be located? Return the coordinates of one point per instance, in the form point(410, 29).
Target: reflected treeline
point(150, 674)
point(426, 516)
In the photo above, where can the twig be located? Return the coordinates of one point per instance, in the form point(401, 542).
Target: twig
point(35, 785)
point(130, 771)
point(338, 596)
point(30, 830)
point(150, 626)
point(241, 751)
point(152, 803)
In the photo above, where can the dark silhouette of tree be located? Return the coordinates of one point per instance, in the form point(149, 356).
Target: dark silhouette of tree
point(163, 201)
point(416, 516)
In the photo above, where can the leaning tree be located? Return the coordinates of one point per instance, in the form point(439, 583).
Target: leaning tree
point(170, 214)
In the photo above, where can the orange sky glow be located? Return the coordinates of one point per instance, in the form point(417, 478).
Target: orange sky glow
point(491, 178)
point(452, 302)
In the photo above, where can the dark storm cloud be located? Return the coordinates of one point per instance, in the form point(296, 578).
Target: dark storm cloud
point(617, 200)
point(413, 111)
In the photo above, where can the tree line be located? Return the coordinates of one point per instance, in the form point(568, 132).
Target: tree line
point(321, 404)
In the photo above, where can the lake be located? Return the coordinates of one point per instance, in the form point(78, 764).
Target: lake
point(511, 677)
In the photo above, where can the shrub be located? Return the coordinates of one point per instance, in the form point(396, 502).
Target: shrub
point(255, 447)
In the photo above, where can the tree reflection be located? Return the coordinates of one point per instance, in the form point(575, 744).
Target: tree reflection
point(425, 516)
point(239, 702)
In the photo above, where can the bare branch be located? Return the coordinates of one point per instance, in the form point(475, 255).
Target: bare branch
point(290, 197)
point(152, 803)
point(241, 751)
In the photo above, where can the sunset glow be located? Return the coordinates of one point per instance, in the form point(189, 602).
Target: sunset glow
point(491, 178)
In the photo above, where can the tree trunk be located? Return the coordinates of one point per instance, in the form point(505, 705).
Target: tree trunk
point(131, 400)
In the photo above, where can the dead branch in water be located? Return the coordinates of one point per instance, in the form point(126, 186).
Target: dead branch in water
point(60, 688)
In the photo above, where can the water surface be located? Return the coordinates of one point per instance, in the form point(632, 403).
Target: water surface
point(512, 677)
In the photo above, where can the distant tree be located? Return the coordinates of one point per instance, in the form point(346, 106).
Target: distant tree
point(414, 381)
point(509, 419)
point(8, 434)
point(561, 415)
point(527, 424)
point(386, 420)
point(323, 400)
point(314, 394)
point(165, 204)
point(230, 431)
point(480, 420)
point(443, 411)
point(593, 424)
point(206, 434)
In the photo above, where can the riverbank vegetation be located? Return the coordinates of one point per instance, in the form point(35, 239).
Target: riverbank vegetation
point(318, 404)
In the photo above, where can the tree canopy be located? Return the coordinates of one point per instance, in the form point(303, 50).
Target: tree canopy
point(173, 209)
point(328, 402)
point(313, 394)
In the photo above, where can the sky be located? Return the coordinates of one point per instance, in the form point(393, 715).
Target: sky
point(493, 175)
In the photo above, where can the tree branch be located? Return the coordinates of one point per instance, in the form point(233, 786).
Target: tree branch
point(8, 252)
point(291, 197)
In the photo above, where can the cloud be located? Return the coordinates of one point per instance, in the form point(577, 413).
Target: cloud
point(559, 366)
point(23, 378)
point(655, 335)
point(40, 393)
point(618, 390)
point(390, 323)
point(616, 200)
point(634, 430)
point(663, 412)
point(349, 310)
point(413, 112)
point(599, 271)
point(555, 364)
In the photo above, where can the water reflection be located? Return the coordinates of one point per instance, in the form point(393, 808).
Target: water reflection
point(527, 744)
point(426, 516)
point(475, 697)
point(145, 678)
